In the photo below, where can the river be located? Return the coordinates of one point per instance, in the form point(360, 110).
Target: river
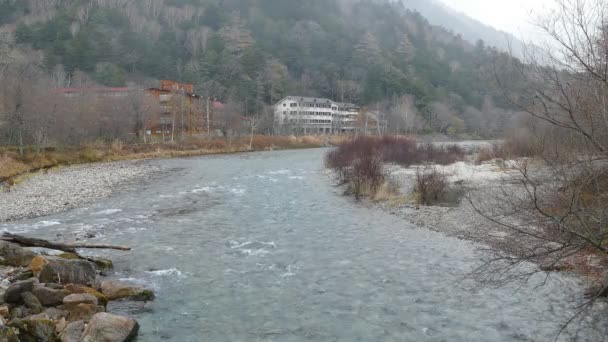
point(262, 247)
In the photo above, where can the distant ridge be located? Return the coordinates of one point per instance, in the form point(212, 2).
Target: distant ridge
point(438, 13)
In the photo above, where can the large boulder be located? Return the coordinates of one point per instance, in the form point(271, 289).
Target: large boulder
point(81, 306)
point(75, 288)
point(118, 290)
point(14, 255)
point(36, 328)
point(63, 271)
point(107, 327)
point(49, 296)
point(14, 291)
point(31, 302)
point(72, 332)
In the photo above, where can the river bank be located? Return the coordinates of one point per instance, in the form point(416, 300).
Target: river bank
point(473, 190)
point(70, 179)
point(13, 164)
point(61, 189)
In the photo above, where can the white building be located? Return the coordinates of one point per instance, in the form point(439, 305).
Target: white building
point(311, 115)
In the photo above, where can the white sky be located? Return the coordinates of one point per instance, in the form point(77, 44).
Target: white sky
point(513, 16)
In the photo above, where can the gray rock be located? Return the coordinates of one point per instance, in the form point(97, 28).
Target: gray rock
point(31, 302)
point(13, 293)
point(72, 332)
point(49, 296)
point(22, 276)
point(54, 286)
point(55, 314)
point(107, 327)
point(79, 298)
point(19, 312)
point(66, 271)
point(14, 255)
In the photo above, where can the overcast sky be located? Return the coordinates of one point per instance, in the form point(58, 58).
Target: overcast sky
point(512, 16)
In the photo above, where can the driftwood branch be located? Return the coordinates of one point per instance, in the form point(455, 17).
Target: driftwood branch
point(70, 248)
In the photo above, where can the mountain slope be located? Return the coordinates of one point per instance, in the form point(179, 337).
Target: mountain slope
point(253, 52)
point(470, 29)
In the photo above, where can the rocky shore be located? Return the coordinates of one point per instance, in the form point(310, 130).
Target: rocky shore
point(68, 188)
point(457, 217)
point(61, 298)
point(488, 185)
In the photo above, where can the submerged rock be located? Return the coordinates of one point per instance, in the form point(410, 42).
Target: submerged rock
point(14, 255)
point(107, 327)
point(64, 271)
point(114, 290)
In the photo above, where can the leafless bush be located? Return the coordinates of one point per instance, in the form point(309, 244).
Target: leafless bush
point(431, 185)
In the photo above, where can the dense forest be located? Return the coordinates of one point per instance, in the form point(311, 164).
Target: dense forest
point(253, 52)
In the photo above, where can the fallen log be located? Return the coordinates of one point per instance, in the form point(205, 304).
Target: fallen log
point(66, 247)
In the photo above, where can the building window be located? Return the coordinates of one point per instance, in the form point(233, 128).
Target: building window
point(284, 104)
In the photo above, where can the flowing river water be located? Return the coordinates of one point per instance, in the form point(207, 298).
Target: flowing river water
point(263, 247)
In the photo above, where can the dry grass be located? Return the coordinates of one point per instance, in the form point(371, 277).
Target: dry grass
point(388, 192)
point(10, 167)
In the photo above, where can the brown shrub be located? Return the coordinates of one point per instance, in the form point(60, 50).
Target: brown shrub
point(431, 185)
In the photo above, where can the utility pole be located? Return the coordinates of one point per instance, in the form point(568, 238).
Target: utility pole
point(208, 123)
point(181, 109)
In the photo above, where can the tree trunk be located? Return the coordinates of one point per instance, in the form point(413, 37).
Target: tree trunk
point(70, 248)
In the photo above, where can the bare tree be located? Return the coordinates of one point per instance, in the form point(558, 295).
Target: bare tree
point(557, 211)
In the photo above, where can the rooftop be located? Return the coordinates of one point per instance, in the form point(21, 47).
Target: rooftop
point(92, 90)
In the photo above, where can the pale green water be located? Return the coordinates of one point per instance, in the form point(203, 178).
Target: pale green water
point(262, 247)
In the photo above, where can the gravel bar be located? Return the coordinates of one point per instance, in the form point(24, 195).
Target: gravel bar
point(68, 188)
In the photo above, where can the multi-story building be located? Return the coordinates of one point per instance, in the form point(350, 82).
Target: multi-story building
point(181, 109)
point(312, 115)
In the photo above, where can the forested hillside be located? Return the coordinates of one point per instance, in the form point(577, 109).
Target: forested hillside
point(253, 52)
